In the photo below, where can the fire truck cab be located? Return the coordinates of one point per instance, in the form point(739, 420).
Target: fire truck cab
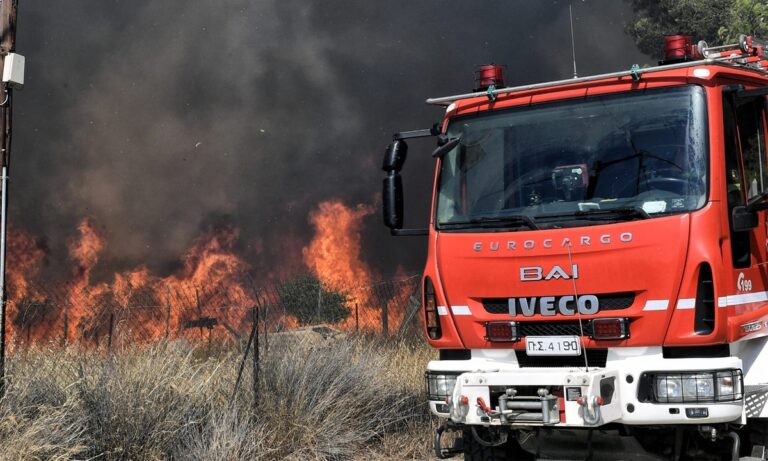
point(597, 272)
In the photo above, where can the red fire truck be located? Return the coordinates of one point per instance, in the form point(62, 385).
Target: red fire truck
point(597, 272)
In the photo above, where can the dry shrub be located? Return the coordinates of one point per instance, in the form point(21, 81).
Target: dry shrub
point(350, 398)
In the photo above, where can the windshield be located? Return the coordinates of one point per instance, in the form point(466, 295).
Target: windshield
point(579, 162)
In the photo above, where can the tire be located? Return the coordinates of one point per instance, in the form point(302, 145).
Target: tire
point(475, 451)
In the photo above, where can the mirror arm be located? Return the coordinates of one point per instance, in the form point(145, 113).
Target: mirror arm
point(409, 232)
point(434, 131)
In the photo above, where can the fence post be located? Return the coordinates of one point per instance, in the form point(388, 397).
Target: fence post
point(199, 311)
point(111, 329)
point(242, 363)
point(256, 364)
point(258, 301)
point(65, 336)
point(385, 319)
point(266, 330)
point(167, 312)
point(357, 318)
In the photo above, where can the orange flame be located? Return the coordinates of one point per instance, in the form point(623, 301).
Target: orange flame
point(25, 255)
point(334, 253)
point(25, 258)
point(213, 285)
point(335, 257)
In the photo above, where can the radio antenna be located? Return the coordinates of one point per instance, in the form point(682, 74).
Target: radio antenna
point(573, 41)
point(576, 305)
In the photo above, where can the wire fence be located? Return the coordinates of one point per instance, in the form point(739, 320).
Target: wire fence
point(133, 312)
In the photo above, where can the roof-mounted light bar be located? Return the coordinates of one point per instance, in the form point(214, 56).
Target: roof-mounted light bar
point(446, 100)
point(750, 52)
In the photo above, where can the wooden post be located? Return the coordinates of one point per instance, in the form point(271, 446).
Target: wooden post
point(357, 318)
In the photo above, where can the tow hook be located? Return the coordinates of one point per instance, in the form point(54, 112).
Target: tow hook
point(458, 443)
point(483, 407)
point(590, 408)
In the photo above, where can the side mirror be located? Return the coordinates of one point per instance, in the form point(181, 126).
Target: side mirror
point(394, 156)
point(393, 201)
point(394, 159)
point(742, 219)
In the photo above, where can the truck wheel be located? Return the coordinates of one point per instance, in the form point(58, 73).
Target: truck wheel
point(475, 451)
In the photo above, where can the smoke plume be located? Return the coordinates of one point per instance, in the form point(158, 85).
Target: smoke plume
point(160, 120)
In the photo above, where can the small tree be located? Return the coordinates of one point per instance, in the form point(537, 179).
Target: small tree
point(715, 21)
point(311, 302)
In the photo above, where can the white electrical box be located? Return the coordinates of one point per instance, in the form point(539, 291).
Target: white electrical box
point(13, 70)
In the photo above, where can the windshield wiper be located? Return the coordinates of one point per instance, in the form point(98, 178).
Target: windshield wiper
point(494, 221)
point(629, 212)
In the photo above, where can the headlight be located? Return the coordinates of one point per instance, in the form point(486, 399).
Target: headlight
point(701, 386)
point(729, 385)
point(698, 387)
point(668, 389)
point(440, 385)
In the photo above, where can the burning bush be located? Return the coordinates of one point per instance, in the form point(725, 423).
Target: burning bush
point(311, 301)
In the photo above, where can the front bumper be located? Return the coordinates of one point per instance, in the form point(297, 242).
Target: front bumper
point(491, 389)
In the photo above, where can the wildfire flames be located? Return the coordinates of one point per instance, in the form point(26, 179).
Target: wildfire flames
point(335, 256)
point(213, 288)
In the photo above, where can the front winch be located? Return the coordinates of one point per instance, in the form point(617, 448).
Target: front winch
point(535, 397)
point(511, 409)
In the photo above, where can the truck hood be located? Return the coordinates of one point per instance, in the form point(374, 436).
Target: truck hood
point(631, 269)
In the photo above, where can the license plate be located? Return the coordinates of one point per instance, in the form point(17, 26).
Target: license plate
point(552, 345)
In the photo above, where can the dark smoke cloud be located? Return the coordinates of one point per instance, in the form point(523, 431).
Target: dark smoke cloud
point(158, 118)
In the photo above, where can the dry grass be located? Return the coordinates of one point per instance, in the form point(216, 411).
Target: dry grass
point(346, 399)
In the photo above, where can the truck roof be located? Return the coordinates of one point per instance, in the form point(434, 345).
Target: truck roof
point(743, 56)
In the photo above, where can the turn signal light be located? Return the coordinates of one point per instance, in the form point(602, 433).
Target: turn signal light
point(431, 314)
point(501, 332)
point(610, 328)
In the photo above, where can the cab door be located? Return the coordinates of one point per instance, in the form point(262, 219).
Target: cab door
point(744, 121)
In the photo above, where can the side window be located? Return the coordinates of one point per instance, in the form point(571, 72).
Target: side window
point(745, 163)
point(752, 140)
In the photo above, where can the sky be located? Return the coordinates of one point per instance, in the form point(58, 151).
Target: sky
point(159, 120)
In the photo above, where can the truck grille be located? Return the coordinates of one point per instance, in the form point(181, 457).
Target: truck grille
point(608, 302)
point(569, 328)
point(596, 358)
